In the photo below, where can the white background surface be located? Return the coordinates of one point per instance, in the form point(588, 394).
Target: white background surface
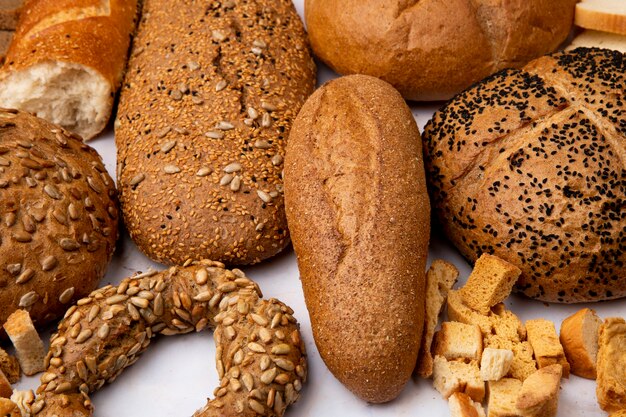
point(176, 374)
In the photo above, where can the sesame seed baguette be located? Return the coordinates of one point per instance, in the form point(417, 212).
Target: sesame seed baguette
point(204, 115)
point(359, 217)
point(59, 217)
point(67, 60)
point(261, 359)
point(528, 165)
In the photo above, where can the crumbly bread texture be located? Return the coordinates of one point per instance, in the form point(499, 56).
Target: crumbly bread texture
point(5, 386)
point(9, 409)
point(611, 380)
point(546, 345)
point(66, 61)
point(60, 217)
point(458, 341)
point(458, 376)
point(461, 405)
point(579, 337)
point(433, 50)
point(10, 366)
point(201, 128)
point(603, 15)
point(28, 346)
point(23, 400)
point(440, 278)
point(594, 38)
point(458, 311)
point(10, 13)
point(508, 174)
point(523, 364)
point(503, 398)
point(495, 363)
point(539, 396)
point(507, 324)
point(354, 160)
point(490, 283)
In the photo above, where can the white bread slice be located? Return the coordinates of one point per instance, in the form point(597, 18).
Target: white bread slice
point(539, 396)
point(503, 398)
point(579, 337)
point(611, 381)
point(594, 38)
point(459, 341)
point(495, 364)
point(461, 405)
point(457, 376)
point(490, 283)
point(28, 346)
point(603, 15)
point(440, 278)
point(546, 345)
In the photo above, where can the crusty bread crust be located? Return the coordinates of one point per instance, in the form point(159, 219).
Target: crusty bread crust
point(202, 125)
point(359, 218)
point(579, 337)
point(509, 177)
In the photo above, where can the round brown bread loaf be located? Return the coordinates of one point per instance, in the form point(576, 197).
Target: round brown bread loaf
point(359, 217)
point(433, 49)
point(205, 111)
point(59, 217)
point(529, 165)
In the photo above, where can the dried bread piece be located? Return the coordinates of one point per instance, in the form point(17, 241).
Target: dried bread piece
point(9, 409)
point(611, 380)
point(579, 337)
point(457, 376)
point(495, 363)
point(597, 39)
point(507, 324)
point(490, 283)
point(619, 413)
point(539, 395)
point(10, 366)
point(24, 400)
point(440, 278)
point(503, 398)
point(9, 14)
point(28, 346)
point(5, 386)
point(461, 405)
point(546, 345)
point(458, 341)
point(458, 311)
point(523, 364)
point(603, 15)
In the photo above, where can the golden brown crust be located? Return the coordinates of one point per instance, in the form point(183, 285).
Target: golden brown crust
point(581, 347)
point(528, 165)
point(202, 126)
point(359, 219)
point(611, 381)
point(261, 359)
point(59, 217)
point(9, 366)
point(433, 49)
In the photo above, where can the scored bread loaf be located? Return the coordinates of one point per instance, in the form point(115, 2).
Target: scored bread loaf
point(611, 380)
point(67, 60)
point(579, 337)
point(59, 217)
point(528, 165)
point(359, 218)
point(431, 50)
point(604, 15)
point(205, 111)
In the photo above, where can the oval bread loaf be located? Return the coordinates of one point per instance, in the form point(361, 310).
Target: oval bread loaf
point(530, 165)
point(59, 217)
point(205, 111)
point(359, 217)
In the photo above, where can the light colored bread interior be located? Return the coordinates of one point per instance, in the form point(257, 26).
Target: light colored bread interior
point(579, 337)
point(71, 95)
point(461, 405)
point(603, 15)
point(28, 346)
point(495, 364)
point(523, 364)
point(594, 38)
point(459, 341)
point(457, 376)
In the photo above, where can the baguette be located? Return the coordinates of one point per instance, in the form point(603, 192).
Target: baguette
point(579, 337)
point(604, 15)
point(200, 166)
point(67, 60)
point(358, 212)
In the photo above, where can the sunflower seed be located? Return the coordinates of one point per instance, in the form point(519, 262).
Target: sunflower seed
point(176, 95)
point(163, 132)
point(265, 197)
point(84, 335)
point(266, 120)
point(90, 361)
point(268, 376)
point(48, 377)
point(224, 125)
point(52, 191)
point(69, 244)
point(281, 349)
point(229, 332)
point(257, 407)
point(94, 186)
point(268, 106)
point(226, 179)
point(252, 113)
point(265, 335)
point(103, 331)
point(277, 160)
point(282, 379)
point(14, 269)
point(262, 144)
point(276, 320)
point(115, 299)
point(235, 184)
point(213, 134)
point(63, 387)
point(93, 313)
point(29, 299)
point(260, 320)
point(227, 287)
point(203, 296)
point(248, 381)
point(220, 85)
point(285, 364)
point(81, 369)
point(203, 172)
point(255, 347)
point(22, 236)
point(218, 35)
point(168, 146)
point(256, 50)
point(232, 167)
point(66, 296)
point(171, 169)
point(25, 276)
